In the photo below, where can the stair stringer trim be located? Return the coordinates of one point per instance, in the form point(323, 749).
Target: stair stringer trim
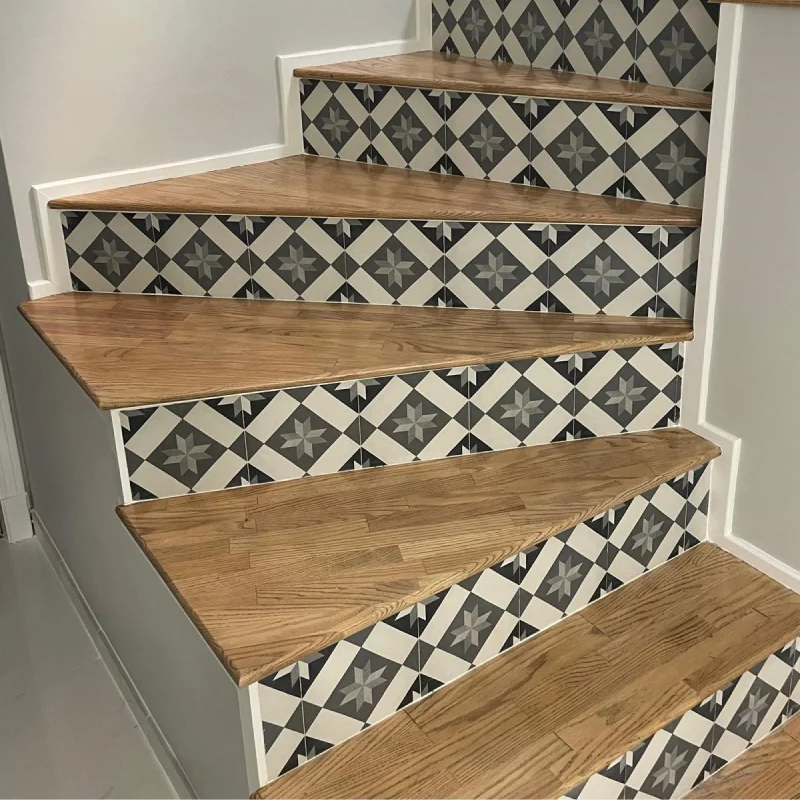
point(51, 276)
point(693, 747)
point(501, 607)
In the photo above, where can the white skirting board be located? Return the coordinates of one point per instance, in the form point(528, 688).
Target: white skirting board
point(148, 725)
point(49, 221)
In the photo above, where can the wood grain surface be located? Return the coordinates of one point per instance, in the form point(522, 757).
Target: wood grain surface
point(273, 573)
point(130, 350)
point(459, 73)
point(769, 770)
point(546, 715)
point(303, 186)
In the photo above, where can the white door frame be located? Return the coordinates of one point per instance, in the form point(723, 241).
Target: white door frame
point(14, 509)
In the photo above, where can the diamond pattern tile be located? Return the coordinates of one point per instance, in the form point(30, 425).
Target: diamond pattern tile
point(532, 33)
point(110, 252)
point(677, 273)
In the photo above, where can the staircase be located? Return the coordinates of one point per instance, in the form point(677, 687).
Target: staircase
point(434, 512)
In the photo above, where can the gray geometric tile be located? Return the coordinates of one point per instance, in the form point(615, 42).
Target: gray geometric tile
point(665, 156)
point(604, 269)
point(489, 136)
point(336, 119)
point(532, 33)
point(521, 403)
point(292, 433)
point(280, 700)
point(416, 417)
point(202, 255)
point(111, 252)
point(407, 127)
point(607, 784)
point(197, 446)
point(601, 38)
point(578, 146)
point(498, 265)
point(697, 492)
point(296, 258)
point(678, 43)
point(359, 681)
point(473, 28)
point(396, 262)
point(677, 272)
point(467, 625)
point(631, 389)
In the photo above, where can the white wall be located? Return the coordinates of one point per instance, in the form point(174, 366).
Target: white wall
point(754, 390)
point(90, 86)
point(93, 86)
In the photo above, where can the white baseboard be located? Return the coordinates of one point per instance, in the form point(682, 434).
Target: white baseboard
point(763, 562)
point(119, 674)
point(56, 278)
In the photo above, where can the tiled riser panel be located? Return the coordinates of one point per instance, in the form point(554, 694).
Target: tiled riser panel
point(643, 152)
point(690, 749)
point(581, 269)
point(667, 42)
point(205, 445)
point(328, 697)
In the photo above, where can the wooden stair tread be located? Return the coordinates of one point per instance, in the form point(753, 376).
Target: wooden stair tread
point(302, 186)
point(770, 769)
point(338, 553)
point(546, 715)
point(459, 73)
point(130, 350)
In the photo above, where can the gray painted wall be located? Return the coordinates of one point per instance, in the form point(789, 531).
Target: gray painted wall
point(755, 358)
point(91, 86)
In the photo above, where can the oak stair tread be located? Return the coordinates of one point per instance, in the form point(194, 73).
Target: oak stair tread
point(273, 573)
point(131, 350)
point(769, 769)
point(544, 716)
point(302, 186)
point(432, 70)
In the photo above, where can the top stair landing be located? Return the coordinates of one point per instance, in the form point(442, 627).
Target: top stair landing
point(456, 73)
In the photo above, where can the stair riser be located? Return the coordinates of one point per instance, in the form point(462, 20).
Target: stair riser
point(314, 704)
point(690, 749)
point(207, 445)
point(580, 269)
point(593, 148)
point(561, 33)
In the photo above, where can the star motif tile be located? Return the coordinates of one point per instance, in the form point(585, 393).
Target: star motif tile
point(532, 33)
point(111, 252)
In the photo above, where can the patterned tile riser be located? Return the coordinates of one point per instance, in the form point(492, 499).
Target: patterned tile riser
point(666, 42)
point(581, 269)
point(692, 748)
point(333, 695)
point(643, 152)
point(221, 443)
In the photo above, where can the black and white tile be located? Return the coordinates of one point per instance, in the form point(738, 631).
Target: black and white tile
point(111, 252)
point(197, 446)
point(407, 127)
point(336, 119)
point(677, 271)
point(578, 146)
point(601, 38)
point(560, 576)
point(532, 33)
point(469, 27)
point(396, 262)
point(202, 255)
point(678, 40)
point(604, 269)
point(296, 258)
point(293, 433)
point(521, 403)
point(280, 699)
point(360, 680)
point(489, 136)
point(631, 389)
point(665, 157)
point(467, 625)
point(498, 265)
point(648, 531)
point(697, 492)
point(416, 417)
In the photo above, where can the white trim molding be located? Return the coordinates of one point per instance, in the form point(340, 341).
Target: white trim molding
point(48, 222)
point(699, 352)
